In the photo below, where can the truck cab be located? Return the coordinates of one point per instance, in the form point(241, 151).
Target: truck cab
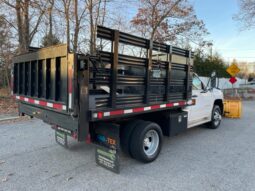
point(208, 107)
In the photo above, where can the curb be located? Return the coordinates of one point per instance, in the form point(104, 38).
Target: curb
point(9, 118)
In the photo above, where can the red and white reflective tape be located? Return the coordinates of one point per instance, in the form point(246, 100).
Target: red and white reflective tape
point(100, 115)
point(70, 101)
point(42, 103)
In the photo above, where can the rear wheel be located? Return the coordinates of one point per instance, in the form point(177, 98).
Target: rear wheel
point(146, 141)
point(125, 135)
point(216, 118)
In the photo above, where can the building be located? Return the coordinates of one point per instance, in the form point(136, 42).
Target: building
point(247, 67)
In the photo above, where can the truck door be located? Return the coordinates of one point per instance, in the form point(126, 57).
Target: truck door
point(201, 111)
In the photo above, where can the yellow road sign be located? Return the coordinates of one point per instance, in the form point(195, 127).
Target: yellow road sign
point(233, 69)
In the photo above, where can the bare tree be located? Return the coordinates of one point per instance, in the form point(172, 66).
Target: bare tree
point(66, 10)
point(50, 9)
point(74, 12)
point(92, 22)
point(50, 37)
point(78, 19)
point(6, 51)
point(29, 15)
point(246, 15)
point(164, 20)
point(97, 13)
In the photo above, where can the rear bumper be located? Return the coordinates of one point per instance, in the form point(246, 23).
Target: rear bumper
point(53, 118)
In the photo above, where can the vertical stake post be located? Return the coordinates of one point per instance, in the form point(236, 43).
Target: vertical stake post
point(114, 69)
point(188, 75)
point(148, 72)
point(168, 74)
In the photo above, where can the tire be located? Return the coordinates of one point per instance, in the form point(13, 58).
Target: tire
point(125, 135)
point(216, 118)
point(146, 142)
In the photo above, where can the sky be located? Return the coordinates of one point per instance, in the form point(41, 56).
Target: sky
point(228, 38)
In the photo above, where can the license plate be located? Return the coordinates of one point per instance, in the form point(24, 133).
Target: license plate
point(61, 138)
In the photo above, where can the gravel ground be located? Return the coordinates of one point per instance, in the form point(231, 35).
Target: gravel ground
point(200, 159)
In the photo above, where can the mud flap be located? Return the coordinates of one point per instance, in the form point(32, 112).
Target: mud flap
point(106, 138)
point(61, 138)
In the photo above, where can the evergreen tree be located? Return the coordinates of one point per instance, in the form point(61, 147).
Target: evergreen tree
point(49, 40)
point(205, 65)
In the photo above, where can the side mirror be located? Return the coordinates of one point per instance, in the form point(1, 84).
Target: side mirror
point(213, 80)
point(203, 86)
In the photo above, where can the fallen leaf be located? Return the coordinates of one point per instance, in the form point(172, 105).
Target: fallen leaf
point(2, 161)
point(5, 179)
point(55, 175)
point(10, 174)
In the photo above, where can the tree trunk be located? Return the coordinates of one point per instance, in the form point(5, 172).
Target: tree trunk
point(19, 23)
point(22, 10)
point(67, 9)
point(90, 7)
point(68, 30)
point(102, 23)
point(77, 26)
point(26, 25)
point(50, 18)
point(7, 78)
point(22, 13)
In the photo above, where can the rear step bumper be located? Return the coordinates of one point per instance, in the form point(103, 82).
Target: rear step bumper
point(53, 118)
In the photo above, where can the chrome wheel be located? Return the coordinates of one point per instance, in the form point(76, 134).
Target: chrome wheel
point(216, 117)
point(151, 142)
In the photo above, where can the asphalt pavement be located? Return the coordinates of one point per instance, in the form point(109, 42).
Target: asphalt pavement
point(199, 159)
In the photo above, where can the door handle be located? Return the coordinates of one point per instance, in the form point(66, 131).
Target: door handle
point(194, 96)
